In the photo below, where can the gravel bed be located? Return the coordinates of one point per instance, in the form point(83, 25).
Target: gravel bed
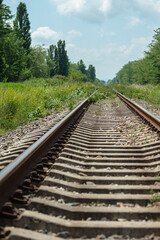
point(13, 138)
point(148, 106)
point(134, 131)
point(117, 237)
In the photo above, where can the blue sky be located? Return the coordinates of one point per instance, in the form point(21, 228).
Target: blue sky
point(104, 33)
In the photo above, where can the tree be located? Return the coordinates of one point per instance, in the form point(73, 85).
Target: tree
point(51, 60)
point(58, 61)
point(73, 67)
point(15, 59)
point(91, 72)
point(81, 66)
point(38, 64)
point(61, 59)
point(126, 75)
point(154, 55)
point(145, 70)
point(22, 25)
point(5, 14)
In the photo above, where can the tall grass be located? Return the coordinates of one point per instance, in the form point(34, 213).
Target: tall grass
point(149, 93)
point(21, 103)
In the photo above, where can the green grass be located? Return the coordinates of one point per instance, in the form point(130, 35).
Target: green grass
point(102, 93)
point(25, 102)
point(155, 197)
point(149, 93)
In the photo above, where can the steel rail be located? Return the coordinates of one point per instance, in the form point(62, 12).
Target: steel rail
point(148, 116)
point(14, 174)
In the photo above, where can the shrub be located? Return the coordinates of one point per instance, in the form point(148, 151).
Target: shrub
point(27, 101)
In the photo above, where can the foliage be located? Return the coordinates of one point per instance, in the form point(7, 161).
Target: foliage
point(102, 93)
point(51, 60)
point(35, 98)
point(55, 83)
point(19, 61)
point(91, 72)
point(149, 93)
point(81, 66)
point(5, 15)
point(57, 59)
point(22, 25)
point(78, 76)
point(15, 59)
point(61, 59)
point(35, 114)
point(37, 59)
point(13, 50)
point(155, 198)
point(145, 70)
point(73, 67)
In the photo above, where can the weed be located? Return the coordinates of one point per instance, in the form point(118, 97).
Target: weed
point(71, 105)
point(152, 192)
point(155, 198)
point(53, 103)
point(27, 101)
point(157, 178)
point(97, 112)
point(146, 218)
point(146, 139)
point(149, 93)
point(36, 114)
point(134, 128)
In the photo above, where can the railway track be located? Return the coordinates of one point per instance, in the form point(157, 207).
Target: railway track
point(98, 178)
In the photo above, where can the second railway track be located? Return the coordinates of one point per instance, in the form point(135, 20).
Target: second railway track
point(99, 182)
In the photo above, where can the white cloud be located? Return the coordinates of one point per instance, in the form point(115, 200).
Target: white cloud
point(103, 58)
point(13, 2)
point(48, 36)
point(74, 33)
point(70, 46)
point(110, 58)
point(106, 34)
point(69, 6)
point(133, 21)
point(99, 10)
point(45, 34)
point(137, 47)
point(150, 5)
point(92, 10)
point(105, 6)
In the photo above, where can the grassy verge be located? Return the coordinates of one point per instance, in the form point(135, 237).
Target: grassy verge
point(21, 103)
point(149, 93)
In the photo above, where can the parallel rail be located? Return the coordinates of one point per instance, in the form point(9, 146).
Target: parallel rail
point(11, 177)
point(149, 117)
point(100, 184)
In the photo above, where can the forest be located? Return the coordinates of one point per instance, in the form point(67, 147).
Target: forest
point(145, 70)
point(19, 60)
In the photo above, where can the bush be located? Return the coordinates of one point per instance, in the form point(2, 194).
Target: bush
point(149, 93)
point(36, 114)
point(27, 101)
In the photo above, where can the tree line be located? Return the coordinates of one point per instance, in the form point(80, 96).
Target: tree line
point(145, 70)
point(20, 61)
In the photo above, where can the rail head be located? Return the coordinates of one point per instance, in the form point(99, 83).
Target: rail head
point(148, 116)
